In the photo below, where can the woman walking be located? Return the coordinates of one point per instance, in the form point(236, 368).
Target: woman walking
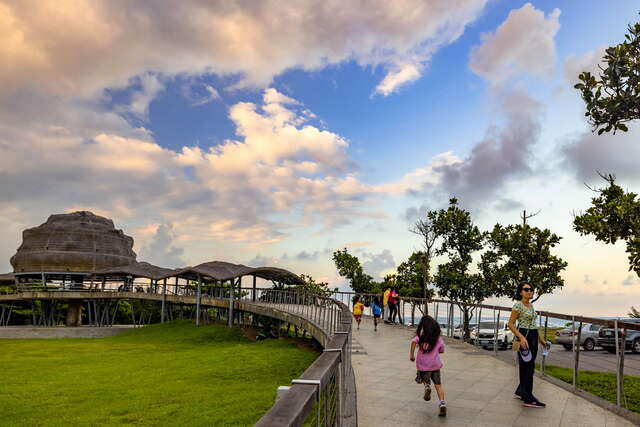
point(528, 337)
point(428, 363)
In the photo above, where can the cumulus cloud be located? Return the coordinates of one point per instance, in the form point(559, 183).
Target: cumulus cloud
point(279, 165)
point(84, 46)
point(523, 43)
point(574, 65)
point(587, 153)
point(378, 265)
point(503, 154)
point(161, 251)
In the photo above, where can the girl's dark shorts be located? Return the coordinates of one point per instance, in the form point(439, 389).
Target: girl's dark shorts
point(430, 376)
point(377, 316)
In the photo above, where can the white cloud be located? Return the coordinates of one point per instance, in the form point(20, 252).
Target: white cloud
point(523, 43)
point(399, 76)
point(574, 65)
point(161, 251)
point(83, 46)
point(588, 153)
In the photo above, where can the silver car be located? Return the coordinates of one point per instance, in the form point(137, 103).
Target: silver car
point(588, 337)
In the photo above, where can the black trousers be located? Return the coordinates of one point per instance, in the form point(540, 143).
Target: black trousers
point(393, 310)
point(527, 369)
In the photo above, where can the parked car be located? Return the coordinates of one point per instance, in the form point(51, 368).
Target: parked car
point(588, 337)
point(607, 338)
point(458, 331)
point(485, 334)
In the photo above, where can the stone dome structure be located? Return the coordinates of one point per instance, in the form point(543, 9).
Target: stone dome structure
point(78, 242)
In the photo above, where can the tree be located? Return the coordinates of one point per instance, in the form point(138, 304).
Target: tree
point(521, 252)
point(634, 313)
point(349, 267)
point(615, 98)
point(614, 215)
point(424, 227)
point(310, 286)
point(459, 239)
point(412, 279)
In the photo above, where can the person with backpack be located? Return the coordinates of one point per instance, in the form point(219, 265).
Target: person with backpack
point(385, 300)
point(376, 310)
point(428, 364)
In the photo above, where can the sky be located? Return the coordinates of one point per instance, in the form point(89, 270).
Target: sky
point(274, 133)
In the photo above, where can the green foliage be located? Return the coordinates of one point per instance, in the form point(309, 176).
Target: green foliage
point(312, 287)
point(167, 374)
point(459, 239)
point(412, 278)
point(614, 215)
point(349, 267)
point(521, 252)
point(615, 98)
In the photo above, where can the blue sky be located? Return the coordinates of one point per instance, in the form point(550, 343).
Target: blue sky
point(272, 133)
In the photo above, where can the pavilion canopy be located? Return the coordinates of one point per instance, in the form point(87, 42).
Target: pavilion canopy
point(221, 271)
point(137, 269)
point(7, 279)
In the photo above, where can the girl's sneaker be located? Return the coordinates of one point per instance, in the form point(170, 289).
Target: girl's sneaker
point(443, 409)
point(427, 392)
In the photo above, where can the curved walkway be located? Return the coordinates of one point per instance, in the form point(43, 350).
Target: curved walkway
point(479, 388)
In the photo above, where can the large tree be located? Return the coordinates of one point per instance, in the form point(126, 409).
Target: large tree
point(459, 239)
point(350, 268)
point(614, 215)
point(425, 228)
point(613, 97)
point(521, 252)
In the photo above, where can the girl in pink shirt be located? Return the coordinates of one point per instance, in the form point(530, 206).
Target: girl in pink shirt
point(430, 344)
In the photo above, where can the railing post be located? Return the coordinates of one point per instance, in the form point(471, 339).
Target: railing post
point(495, 337)
point(477, 343)
point(577, 357)
point(253, 296)
point(574, 373)
point(544, 358)
point(619, 372)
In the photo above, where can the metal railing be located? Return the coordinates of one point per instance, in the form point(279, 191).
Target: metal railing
point(445, 312)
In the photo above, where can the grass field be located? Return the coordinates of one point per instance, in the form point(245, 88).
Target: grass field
point(602, 384)
point(171, 374)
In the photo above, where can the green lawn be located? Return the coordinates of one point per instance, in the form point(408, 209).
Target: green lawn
point(170, 374)
point(601, 384)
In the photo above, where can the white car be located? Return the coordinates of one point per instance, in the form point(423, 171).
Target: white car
point(458, 331)
point(485, 334)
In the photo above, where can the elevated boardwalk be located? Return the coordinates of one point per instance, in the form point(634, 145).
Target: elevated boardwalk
point(479, 388)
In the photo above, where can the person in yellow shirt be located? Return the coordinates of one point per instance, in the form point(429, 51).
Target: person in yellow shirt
point(358, 308)
point(385, 300)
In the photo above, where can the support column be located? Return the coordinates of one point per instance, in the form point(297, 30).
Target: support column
point(164, 298)
point(230, 320)
point(198, 300)
point(74, 313)
point(253, 297)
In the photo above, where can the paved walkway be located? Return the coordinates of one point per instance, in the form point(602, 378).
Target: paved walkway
point(478, 387)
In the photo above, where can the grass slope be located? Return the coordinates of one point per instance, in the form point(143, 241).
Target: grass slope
point(169, 374)
point(602, 384)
